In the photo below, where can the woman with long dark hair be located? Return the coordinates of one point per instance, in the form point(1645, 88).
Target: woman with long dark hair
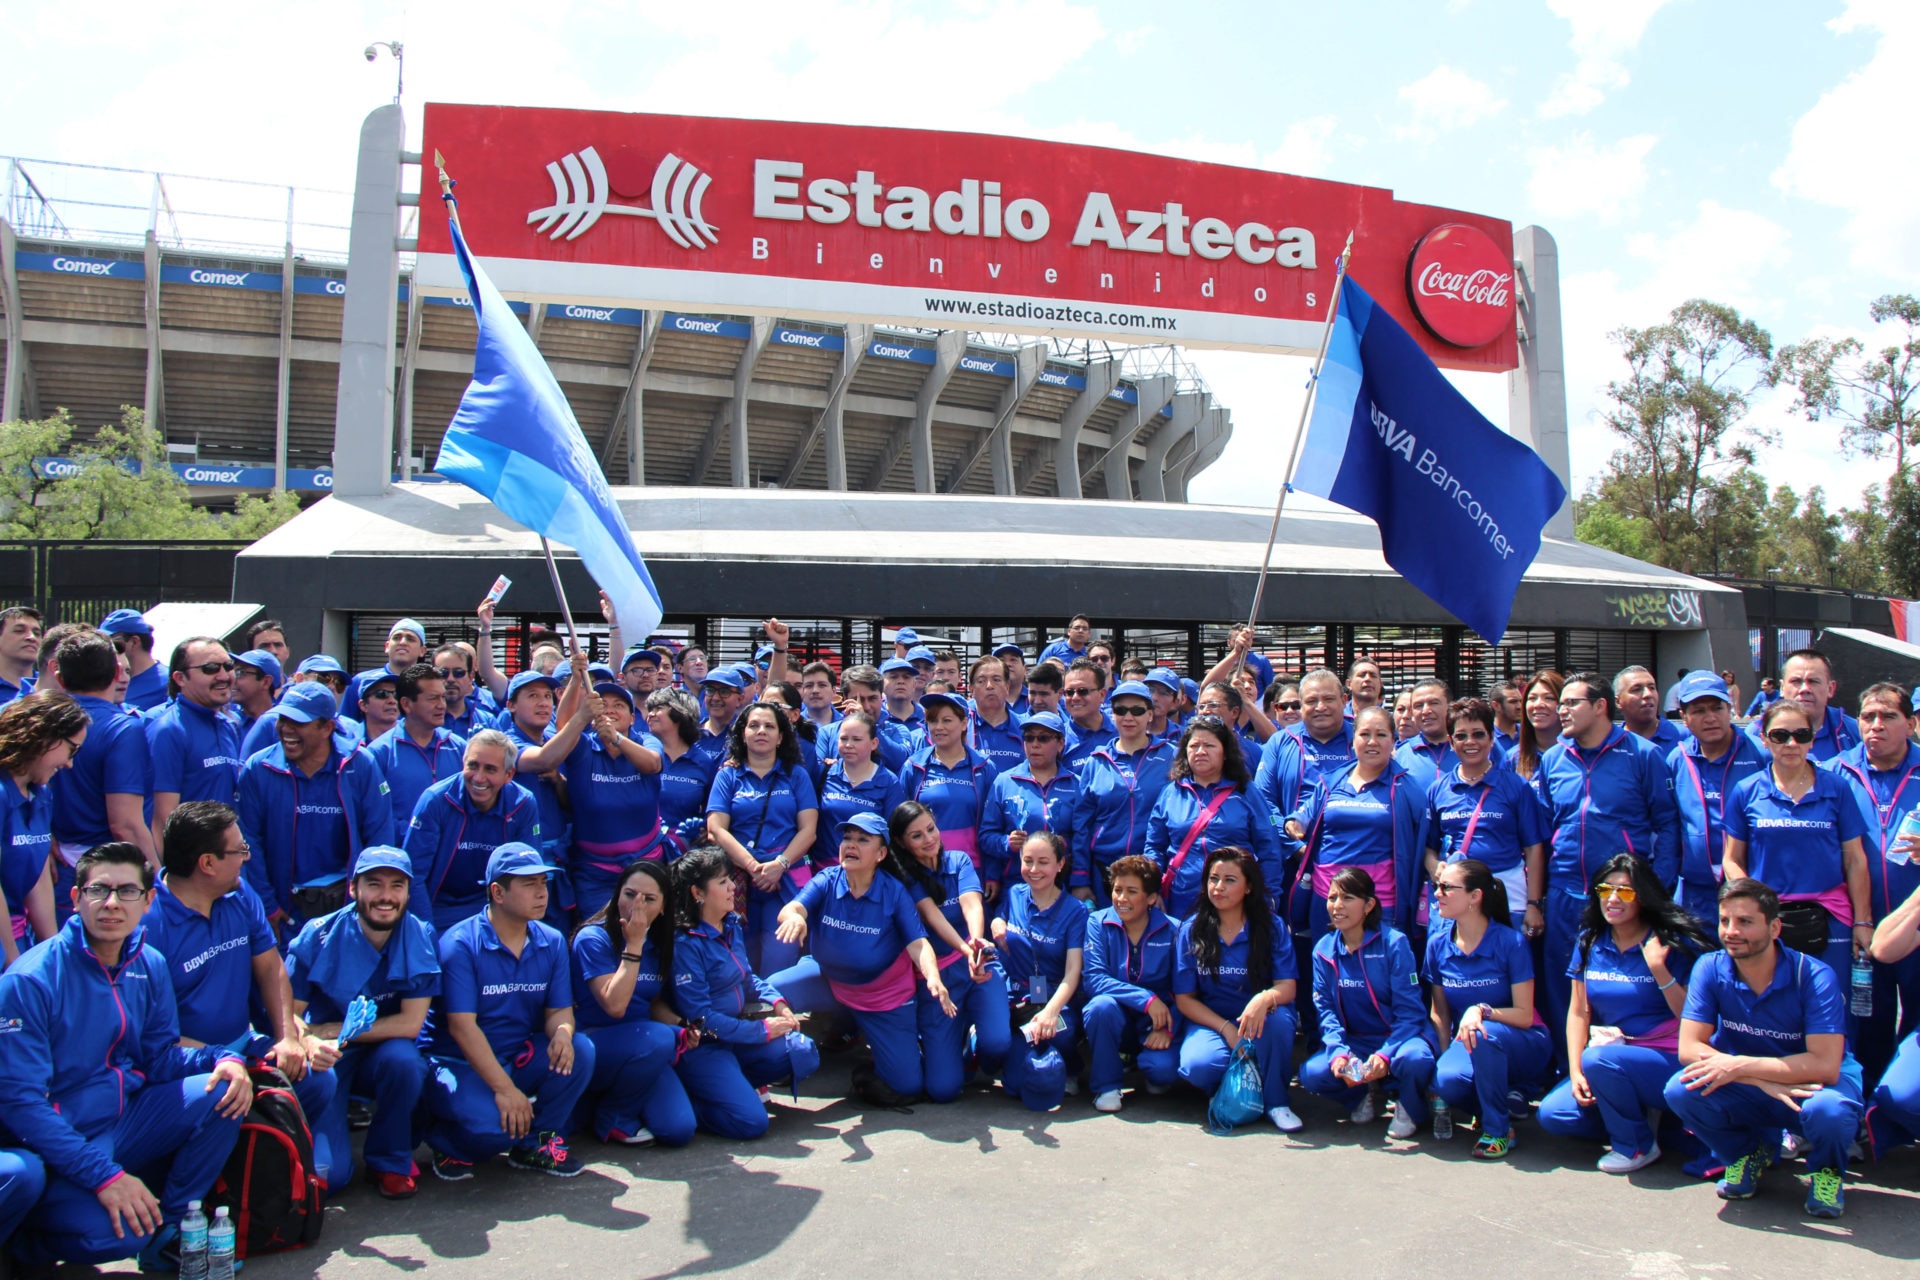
point(39, 736)
point(1206, 806)
point(1630, 967)
point(622, 960)
point(1539, 721)
point(1480, 971)
point(1480, 810)
point(1041, 930)
point(1234, 979)
point(764, 814)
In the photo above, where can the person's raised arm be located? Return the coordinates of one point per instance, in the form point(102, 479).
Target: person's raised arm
point(616, 641)
point(779, 635)
point(490, 676)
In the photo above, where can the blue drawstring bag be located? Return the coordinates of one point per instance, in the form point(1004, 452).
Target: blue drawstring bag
point(1240, 1097)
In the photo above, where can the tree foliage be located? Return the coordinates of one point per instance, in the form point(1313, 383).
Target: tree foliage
point(121, 487)
point(1874, 396)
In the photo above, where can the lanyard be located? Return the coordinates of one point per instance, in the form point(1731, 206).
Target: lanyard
point(1466, 838)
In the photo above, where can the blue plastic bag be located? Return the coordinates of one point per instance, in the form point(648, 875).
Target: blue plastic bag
point(1240, 1097)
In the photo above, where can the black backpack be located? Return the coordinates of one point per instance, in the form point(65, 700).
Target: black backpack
point(268, 1185)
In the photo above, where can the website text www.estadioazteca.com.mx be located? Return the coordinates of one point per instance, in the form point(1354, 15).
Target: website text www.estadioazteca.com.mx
point(1001, 309)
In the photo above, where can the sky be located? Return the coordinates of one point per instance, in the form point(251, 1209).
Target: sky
point(1754, 152)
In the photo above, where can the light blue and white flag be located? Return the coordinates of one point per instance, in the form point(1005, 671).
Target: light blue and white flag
point(515, 439)
point(1460, 503)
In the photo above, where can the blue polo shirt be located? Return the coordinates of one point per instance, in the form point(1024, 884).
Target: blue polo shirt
point(210, 958)
point(554, 832)
point(148, 689)
point(26, 838)
point(840, 800)
point(1621, 990)
point(470, 721)
point(1794, 846)
point(115, 761)
point(1227, 987)
point(1485, 975)
point(957, 877)
point(1700, 791)
point(509, 994)
point(1804, 999)
point(855, 938)
point(684, 786)
point(1082, 743)
point(9, 690)
point(1000, 743)
point(195, 752)
point(595, 955)
point(957, 795)
point(1427, 761)
point(763, 812)
point(613, 802)
point(1355, 821)
point(1037, 941)
point(410, 768)
point(1509, 818)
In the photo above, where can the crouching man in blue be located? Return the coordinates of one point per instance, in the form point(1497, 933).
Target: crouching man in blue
point(375, 953)
point(1763, 1046)
point(1129, 982)
point(95, 1083)
point(507, 1070)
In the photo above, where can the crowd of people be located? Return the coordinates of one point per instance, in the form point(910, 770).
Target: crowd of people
point(491, 914)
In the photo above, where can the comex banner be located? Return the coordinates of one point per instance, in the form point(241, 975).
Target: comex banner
point(949, 230)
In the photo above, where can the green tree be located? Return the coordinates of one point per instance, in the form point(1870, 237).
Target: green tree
point(1873, 395)
point(1902, 547)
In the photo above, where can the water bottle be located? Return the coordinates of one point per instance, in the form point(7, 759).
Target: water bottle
point(1442, 1120)
point(1860, 997)
point(193, 1243)
point(1909, 826)
point(220, 1246)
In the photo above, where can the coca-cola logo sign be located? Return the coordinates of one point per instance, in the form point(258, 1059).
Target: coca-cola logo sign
point(1461, 285)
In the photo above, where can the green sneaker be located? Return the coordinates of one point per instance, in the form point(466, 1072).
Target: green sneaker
point(1742, 1178)
point(1826, 1198)
point(1492, 1148)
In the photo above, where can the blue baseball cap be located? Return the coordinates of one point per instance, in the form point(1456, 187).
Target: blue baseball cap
point(763, 656)
point(1702, 684)
point(320, 664)
point(1043, 1086)
point(871, 823)
point(1048, 720)
point(408, 624)
point(376, 856)
point(600, 671)
point(615, 689)
point(525, 678)
point(920, 653)
point(309, 701)
point(265, 663)
point(724, 676)
point(516, 859)
point(640, 653)
point(1166, 677)
point(378, 675)
point(892, 665)
point(1192, 689)
point(748, 673)
point(1133, 689)
point(907, 636)
point(929, 701)
point(126, 622)
point(1008, 646)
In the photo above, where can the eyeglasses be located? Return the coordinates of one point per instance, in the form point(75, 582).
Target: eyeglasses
point(1780, 737)
point(73, 748)
point(375, 694)
point(213, 668)
point(99, 893)
point(1624, 892)
point(451, 673)
point(1568, 704)
point(1286, 706)
point(1131, 710)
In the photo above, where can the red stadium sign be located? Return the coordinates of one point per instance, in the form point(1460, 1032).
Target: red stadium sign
point(1461, 284)
point(943, 230)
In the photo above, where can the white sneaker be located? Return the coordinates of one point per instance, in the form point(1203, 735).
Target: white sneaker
point(640, 1137)
point(1108, 1101)
point(1614, 1162)
point(1403, 1125)
point(1284, 1120)
point(1366, 1111)
point(1073, 1086)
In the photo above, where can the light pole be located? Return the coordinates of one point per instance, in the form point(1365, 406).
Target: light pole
point(395, 48)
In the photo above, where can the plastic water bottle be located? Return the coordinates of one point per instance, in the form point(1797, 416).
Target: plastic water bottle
point(220, 1246)
point(1442, 1120)
point(1909, 826)
point(1860, 997)
point(193, 1243)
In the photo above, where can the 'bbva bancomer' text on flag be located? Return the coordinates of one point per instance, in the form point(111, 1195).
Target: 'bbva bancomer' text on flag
point(1460, 503)
point(515, 439)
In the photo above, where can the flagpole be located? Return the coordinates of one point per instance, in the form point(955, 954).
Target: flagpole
point(1299, 436)
point(553, 569)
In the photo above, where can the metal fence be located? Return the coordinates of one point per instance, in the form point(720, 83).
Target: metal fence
point(85, 581)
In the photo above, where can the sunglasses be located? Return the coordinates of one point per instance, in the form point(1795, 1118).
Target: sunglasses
point(1780, 737)
point(373, 694)
point(1082, 693)
point(1287, 706)
point(1624, 892)
point(451, 673)
point(1131, 710)
point(214, 668)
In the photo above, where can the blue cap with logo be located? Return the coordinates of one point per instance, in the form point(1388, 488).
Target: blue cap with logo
point(307, 702)
point(1048, 720)
point(871, 823)
point(929, 701)
point(614, 689)
point(1133, 689)
point(126, 622)
point(920, 653)
point(515, 858)
point(1702, 684)
point(1192, 689)
point(892, 665)
point(725, 676)
point(1006, 647)
point(763, 656)
point(525, 678)
point(367, 680)
point(640, 653)
point(907, 636)
point(320, 664)
point(376, 857)
point(265, 663)
point(1166, 677)
point(600, 671)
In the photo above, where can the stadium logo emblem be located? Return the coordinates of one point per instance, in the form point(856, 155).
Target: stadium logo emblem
point(582, 185)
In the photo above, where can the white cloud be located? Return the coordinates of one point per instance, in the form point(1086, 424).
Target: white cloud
point(1848, 150)
point(1304, 148)
point(1129, 42)
point(1582, 176)
point(1446, 99)
point(1603, 34)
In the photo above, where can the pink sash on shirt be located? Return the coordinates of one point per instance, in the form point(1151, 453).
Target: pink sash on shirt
point(1384, 887)
point(1665, 1037)
point(893, 988)
point(963, 840)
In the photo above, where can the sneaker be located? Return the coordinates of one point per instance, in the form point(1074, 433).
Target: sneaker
point(1792, 1145)
point(1284, 1120)
point(1491, 1148)
point(395, 1186)
point(162, 1253)
point(549, 1154)
point(1826, 1198)
point(1518, 1108)
point(638, 1138)
point(1159, 1090)
point(1403, 1125)
point(1108, 1101)
point(1366, 1111)
point(1706, 1166)
point(1742, 1177)
point(1614, 1162)
point(1073, 1086)
point(359, 1114)
point(448, 1169)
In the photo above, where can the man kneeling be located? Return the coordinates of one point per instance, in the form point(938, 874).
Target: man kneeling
point(94, 1080)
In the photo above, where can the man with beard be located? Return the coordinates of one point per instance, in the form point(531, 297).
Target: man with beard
point(373, 950)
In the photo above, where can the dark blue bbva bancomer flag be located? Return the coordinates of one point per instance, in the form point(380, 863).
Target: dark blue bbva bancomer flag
point(515, 439)
point(1460, 503)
